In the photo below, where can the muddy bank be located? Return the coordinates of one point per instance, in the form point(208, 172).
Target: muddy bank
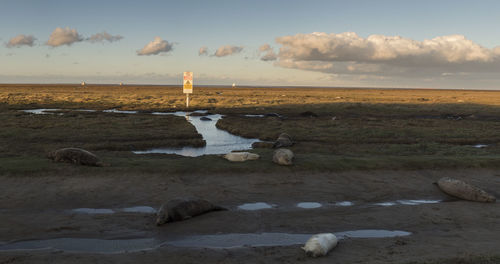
point(40, 208)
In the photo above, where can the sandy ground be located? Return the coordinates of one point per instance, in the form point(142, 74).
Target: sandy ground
point(37, 208)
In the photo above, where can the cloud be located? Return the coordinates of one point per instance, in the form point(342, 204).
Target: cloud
point(104, 36)
point(269, 54)
point(348, 53)
point(203, 51)
point(21, 40)
point(265, 47)
point(64, 36)
point(155, 47)
point(227, 50)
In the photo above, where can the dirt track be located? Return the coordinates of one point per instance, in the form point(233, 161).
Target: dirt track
point(37, 208)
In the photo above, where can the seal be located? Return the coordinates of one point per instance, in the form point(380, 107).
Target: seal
point(241, 156)
point(182, 209)
point(284, 140)
point(283, 156)
point(319, 245)
point(262, 144)
point(76, 156)
point(463, 190)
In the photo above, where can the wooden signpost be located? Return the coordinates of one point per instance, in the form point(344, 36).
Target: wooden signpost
point(188, 85)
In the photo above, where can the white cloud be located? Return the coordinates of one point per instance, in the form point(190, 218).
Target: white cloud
point(104, 36)
point(269, 54)
point(21, 40)
point(347, 53)
point(64, 36)
point(227, 50)
point(155, 47)
point(265, 47)
point(203, 51)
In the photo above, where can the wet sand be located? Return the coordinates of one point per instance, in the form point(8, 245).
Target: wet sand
point(40, 208)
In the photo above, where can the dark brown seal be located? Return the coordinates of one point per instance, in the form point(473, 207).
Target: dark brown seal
point(464, 190)
point(76, 156)
point(182, 209)
point(284, 140)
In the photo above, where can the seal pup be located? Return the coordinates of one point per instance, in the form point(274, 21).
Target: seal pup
point(319, 245)
point(283, 156)
point(284, 140)
point(76, 156)
point(182, 209)
point(241, 156)
point(464, 190)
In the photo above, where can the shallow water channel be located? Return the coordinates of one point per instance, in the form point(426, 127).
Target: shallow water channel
point(217, 140)
point(234, 240)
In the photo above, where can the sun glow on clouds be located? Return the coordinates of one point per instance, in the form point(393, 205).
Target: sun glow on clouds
point(227, 50)
point(21, 40)
point(156, 47)
point(348, 53)
point(64, 36)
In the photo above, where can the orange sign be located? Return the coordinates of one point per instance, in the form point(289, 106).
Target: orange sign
point(188, 82)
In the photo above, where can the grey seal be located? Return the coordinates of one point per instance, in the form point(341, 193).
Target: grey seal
point(464, 190)
point(182, 209)
point(75, 155)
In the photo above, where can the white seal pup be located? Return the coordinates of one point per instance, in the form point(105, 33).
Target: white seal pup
point(241, 156)
point(182, 209)
point(319, 245)
point(283, 156)
point(284, 140)
point(464, 190)
point(76, 156)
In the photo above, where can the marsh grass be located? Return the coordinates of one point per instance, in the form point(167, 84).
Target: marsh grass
point(373, 128)
point(24, 133)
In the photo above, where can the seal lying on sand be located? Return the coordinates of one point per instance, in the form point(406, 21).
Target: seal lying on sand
point(241, 156)
point(76, 156)
point(319, 245)
point(262, 144)
point(283, 156)
point(284, 140)
point(182, 209)
point(464, 190)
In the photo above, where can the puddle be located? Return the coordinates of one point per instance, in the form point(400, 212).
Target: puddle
point(417, 202)
point(92, 211)
point(407, 202)
point(309, 205)
point(139, 209)
point(135, 209)
point(272, 239)
point(255, 206)
point(371, 233)
point(42, 111)
point(480, 146)
point(90, 245)
point(385, 204)
point(217, 141)
point(344, 203)
point(86, 110)
point(119, 111)
point(254, 115)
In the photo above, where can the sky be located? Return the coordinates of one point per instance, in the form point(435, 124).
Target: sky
point(383, 43)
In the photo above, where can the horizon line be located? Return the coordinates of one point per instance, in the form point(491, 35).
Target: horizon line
point(256, 86)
